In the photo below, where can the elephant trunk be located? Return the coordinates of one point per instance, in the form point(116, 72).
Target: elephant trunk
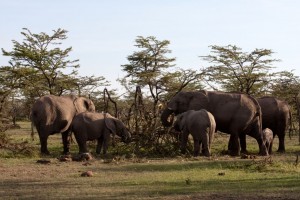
point(128, 138)
point(165, 116)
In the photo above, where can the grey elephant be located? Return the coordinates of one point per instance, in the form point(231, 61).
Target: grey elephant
point(235, 114)
point(268, 139)
point(276, 115)
point(201, 125)
point(53, 114)
point(89, 126)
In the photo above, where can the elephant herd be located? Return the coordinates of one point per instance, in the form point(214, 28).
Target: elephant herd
point(199, 113)
point(61, 114)
point(238, 115)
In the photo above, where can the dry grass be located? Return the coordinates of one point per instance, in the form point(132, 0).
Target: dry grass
point(220, 177)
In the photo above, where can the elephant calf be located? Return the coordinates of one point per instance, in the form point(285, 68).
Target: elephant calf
point(268, 139)
point(201, 124)
point(88, 126)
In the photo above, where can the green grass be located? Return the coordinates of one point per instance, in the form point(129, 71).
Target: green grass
point(218, 177)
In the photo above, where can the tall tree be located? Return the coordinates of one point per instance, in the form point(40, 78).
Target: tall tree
point(151, 78)
point(39, 62)
point(147, 66)
point(235, 70)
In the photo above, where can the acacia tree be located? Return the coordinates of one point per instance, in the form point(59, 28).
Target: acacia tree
point(150, 78)
point(38, 62)
point(38, 66)
point(147, 66)
point(235, 70)
point(150, 68)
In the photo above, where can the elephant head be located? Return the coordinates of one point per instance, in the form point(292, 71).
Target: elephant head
point(179, 123)
point(181, 102)
point(118, 128)
point(83, 104)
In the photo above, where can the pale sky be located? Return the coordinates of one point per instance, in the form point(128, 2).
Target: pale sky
point(103, 32)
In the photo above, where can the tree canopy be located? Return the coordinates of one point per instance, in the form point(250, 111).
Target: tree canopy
point(235, 70)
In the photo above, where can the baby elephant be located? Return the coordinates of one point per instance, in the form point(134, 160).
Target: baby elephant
point(88, 126)
point(268, 139)
point(201, 124)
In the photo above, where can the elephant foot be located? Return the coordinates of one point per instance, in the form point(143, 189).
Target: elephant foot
point(45, 152)
point(263, 153)
point(234, 153)
point(66, 153)
point(281, 150)
point(206, 154)
point(244, 152)
point(196, 154)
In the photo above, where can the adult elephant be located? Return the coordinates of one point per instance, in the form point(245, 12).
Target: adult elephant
point(89, 126)
point(53, 114)
point(276, 115)
point(236, 114)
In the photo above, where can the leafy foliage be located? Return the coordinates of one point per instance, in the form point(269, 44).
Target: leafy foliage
point(38, 62)
point(235, 70)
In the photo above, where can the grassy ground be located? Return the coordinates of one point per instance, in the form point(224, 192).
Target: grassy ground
point(218, 177)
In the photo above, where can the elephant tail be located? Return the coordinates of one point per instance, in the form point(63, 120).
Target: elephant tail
point(212, 129)
point(31, 126)
point(290, 124)
point(32, 131)
point(75, 105)
point(258, 112)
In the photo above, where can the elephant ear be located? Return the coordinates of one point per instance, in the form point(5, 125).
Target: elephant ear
point(110, 124)
point(89, 105)
point(199, 100)
point(82, 104)
point(181, 122)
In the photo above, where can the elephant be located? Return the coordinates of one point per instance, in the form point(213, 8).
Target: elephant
point(52, 114)
point(268, 139)
point(276, 115)
point(89, 126)
point(201, 125)
point(235, 114)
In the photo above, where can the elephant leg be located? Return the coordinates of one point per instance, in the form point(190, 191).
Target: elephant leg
point(205, 143)
point(66, 142)
point(82, 147)
point(81, 144)
point(270, 147)
point(196, 147)
point(243, 143)
point(235, 148)
point(99, 145)
point(205, 151)
point(256, 133)
point(105, 146)
point(43, 135)
point(202, 147)
point(263, 151)
point(230, 143)
point(281, 147)
point(184, 139)
point(43, 141)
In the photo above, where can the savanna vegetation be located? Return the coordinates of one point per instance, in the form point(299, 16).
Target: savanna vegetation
point(123, 175)
point(151, 166)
